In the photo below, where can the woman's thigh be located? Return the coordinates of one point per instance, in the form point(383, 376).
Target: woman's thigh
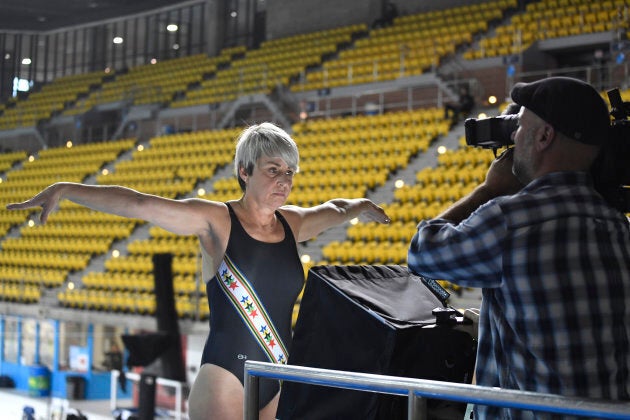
point(218, 394)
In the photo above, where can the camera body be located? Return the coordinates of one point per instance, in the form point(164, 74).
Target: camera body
point(491, 133)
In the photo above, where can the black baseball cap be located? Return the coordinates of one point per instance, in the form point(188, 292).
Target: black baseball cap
point(571, 106)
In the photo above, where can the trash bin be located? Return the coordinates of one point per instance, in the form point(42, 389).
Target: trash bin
point(38, 381)
point(75, 387)
point(28, 413)
point(6, 382)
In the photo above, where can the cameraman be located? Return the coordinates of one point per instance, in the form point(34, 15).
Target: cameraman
point(551, 256)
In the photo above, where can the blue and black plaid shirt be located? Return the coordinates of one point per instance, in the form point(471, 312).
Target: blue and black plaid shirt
point(554, 264)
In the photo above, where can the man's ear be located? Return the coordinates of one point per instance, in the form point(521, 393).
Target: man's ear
point(546, 137)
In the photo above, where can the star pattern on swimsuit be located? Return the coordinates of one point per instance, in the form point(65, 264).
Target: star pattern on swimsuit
point(249, 306)
point(267, 336)
point(250, 309)
point(228, 280)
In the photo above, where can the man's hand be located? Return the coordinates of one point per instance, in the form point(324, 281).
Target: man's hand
point(500, 180)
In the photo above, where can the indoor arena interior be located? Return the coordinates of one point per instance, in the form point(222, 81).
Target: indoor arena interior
point(397, 107)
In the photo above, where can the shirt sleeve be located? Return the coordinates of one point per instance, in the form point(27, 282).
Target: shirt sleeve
point(469, 253)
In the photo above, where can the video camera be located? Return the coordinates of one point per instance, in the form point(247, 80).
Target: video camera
point(611, 170)
point(491, 133)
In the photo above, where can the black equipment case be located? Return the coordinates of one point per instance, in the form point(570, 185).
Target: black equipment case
point(375, 319)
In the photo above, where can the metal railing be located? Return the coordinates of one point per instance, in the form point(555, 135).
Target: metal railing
point(418, 390)
point(602, 77)
point(176, 414)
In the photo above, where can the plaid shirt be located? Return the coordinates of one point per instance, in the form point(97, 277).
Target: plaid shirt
point(554, 264)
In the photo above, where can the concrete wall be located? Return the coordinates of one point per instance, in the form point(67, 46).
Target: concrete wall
point(291, 17)
point(411, 7)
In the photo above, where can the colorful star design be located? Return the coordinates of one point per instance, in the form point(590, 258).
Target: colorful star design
point(229, 280)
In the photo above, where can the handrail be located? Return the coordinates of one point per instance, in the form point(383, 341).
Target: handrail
point(133, 376)
point(419, 389)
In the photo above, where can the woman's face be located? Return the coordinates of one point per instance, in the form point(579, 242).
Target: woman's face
point(271, 180)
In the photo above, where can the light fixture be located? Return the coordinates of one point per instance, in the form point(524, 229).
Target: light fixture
point(26, 61)
point(172, 27)
point(117, 40)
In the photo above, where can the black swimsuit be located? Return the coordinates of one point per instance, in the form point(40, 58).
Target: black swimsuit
point(275, 273)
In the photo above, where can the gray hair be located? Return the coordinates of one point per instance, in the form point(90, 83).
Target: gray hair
point(265, 139)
